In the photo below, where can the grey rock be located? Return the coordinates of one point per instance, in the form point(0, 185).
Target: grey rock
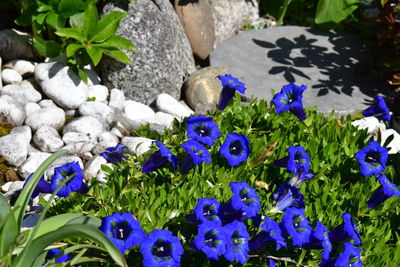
point(117, 98)
point(93, 167)
point(93, 77)
point(203, 87)
point(99, 110)
point(115, 131)
point(371, 123)
point(136, 145)
point(12, 110)
point(14, 148)
point(100, 92)
point(394, 145)
point(61, 161)
point(230, 16)
point(47, 103)
point(198, 23)
point(24, 67)
point(74, 137)
point(1, 82)
point(87, 125)
point(15, 44)
point(78, 143)
point(31, 107)
point(106, 139)
point(12, 186)
point(32, 150)
point(10, 76)
point(86, 156)
point(170, 105)
point(137, 111)
point(164, 58)
point(50, 116)
point(4, 188)
point(79, 148)
point(61, 84)
point(22, 94)
point(24, 130)
point(331, 65)
point(31, 164)
point(47, 139)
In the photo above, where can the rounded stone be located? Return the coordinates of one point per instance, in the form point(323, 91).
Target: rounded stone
point(50, 116)
point(23, 67)
point(10, 76)
point(87, 125)
point(47, 139)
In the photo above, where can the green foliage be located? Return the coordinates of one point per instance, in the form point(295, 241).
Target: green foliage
point(163, 198)
point(309, 12)
point(28, 248)
point(74, 28)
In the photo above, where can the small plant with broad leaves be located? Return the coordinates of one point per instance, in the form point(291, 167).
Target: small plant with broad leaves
point(74, 28)
point(39, 246)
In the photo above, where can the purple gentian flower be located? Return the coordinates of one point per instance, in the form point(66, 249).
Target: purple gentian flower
point(76, 184)
point(229, 86)
point(300, 177)
point(350, 256)
point(271, 233)
point(114, 154)
point(288, 196)
point(237, 238)
point(296, 225)
point(378, 109)
point(289, 98)
point(383, 192)
point(55, 253)
point(297, 161)
point(161, 248)
point(202, 129)
point(211, 240)
point(197, 153)
point(123, 230)
point(159, 158)
point(320, 239)
point(372, 159)
point(41, 187)
point(206, 210)
point(235, 149)
point(346, 230)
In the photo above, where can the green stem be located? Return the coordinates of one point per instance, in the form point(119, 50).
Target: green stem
point(283, 10)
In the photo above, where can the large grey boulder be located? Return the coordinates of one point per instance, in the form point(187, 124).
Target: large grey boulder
point(330, 64)
point(230, 16)
point(15, 44)
point(164, 58)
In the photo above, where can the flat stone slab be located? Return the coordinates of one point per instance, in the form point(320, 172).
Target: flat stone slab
point(331, 65)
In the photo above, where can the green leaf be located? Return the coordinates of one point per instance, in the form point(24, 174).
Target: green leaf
point(334, 10)
point(67, 231)
point(118, 55)
point(8, 234)
point(5, 208)
point(68, 8)
point(26, 193)
point(95, 54)
point(42, 7)
point(107, 26)
point(27, 16)
point(117, 42)
point(47, 48)
point(76, 21)
point(40, 18)
point(54, 20)
point(90, 20)
point(72, 48)
point(73, 33)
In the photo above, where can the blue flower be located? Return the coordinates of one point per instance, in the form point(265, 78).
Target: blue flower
point(206, 210)
point(197, 154)
point(229, 86)
point(271, 263)
point(378, 109)
point(297, 161)
point(55, 253)
point(41, 187)
point(123, 230)
point(211, 240)
point(320, 239)
point(74, 185)
point(271, 232)
point(296, 225)
point(202, 129)
point(300, 177)
point(372, 159)
point(288, 196)
point(244, 203)
point(235, 149)
point(345, 231)
point(114, 154)
point(161, 248)
point(289, 98)
point(350, 256)
point(159, 158)
point(237, 238)
point(383, 192)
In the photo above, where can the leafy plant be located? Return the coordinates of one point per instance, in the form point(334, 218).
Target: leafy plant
point(29, 248)
point(74, 28)
point(164, 198)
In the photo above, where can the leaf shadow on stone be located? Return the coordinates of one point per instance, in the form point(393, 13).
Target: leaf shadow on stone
point(341, 68)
